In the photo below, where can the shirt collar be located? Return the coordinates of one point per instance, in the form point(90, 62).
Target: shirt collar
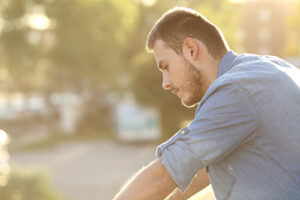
point(226, 62)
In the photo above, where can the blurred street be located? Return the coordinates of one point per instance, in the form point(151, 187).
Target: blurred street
point(87, 170)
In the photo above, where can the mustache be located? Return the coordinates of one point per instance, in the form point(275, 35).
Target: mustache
point(173, 89)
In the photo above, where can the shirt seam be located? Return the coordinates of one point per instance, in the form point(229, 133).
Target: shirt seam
point(226, 192)
point(228, 195)
point(257, 111)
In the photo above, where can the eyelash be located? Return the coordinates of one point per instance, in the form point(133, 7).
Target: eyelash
point(165, 67)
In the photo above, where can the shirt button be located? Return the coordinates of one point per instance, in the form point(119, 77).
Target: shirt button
point(184, 131)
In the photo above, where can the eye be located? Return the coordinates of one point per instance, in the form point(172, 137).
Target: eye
point(165, 67)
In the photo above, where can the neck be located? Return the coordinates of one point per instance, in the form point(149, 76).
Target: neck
point(210, 67)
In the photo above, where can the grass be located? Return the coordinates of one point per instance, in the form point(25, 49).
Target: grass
point(28, 185)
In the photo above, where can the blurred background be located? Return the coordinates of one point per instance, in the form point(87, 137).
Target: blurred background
point(81, 103)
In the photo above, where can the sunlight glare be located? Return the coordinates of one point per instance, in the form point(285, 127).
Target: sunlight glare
point(244, 1)
point(3, 137)
point(237, 1)
point(38, 21)
point(148, 2)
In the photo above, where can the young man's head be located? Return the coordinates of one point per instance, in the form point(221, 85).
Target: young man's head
point(188, 49)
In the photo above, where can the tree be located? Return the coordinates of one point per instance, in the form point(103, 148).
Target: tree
point(17, 54)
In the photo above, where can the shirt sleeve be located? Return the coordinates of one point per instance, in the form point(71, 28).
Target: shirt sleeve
point(225, 119)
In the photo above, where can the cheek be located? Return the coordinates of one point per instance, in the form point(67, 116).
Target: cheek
point(185, 86)
point(179, 76)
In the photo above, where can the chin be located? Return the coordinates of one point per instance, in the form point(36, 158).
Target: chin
point(189, 104)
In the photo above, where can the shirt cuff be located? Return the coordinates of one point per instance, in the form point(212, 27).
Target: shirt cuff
point(178, 159)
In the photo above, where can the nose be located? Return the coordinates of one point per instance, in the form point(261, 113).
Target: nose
point(166, 84)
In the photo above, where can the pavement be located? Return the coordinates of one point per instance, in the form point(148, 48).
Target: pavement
point(89, 169)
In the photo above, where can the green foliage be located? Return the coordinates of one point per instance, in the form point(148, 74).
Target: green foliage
point(14, 9)
point(24, 185)
point(17, 56)
point(225, 16)
point(90, 37)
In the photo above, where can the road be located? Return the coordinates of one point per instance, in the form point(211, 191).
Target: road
point(87, 170)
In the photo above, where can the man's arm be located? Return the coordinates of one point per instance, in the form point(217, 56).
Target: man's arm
point(151, 182)
point(199, 182)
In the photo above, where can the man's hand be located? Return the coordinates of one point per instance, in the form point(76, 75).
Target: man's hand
point(151, 182)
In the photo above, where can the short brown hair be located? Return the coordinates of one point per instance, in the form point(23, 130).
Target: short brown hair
point(179, 23)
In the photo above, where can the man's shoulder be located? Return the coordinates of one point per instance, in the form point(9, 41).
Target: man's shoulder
point(254, 62)
point(252, 66)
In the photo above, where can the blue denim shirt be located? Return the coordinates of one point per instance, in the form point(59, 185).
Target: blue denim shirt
point(246, 131)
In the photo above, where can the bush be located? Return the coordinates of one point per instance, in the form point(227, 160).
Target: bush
point(24, 185)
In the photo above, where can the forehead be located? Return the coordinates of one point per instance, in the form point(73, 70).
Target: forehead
point(162, 52)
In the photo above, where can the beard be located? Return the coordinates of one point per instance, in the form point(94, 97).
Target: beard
point(194, 85)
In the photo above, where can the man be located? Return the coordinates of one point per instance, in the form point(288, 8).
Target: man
point(246, 129)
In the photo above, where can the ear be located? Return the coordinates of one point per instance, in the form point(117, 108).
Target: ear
point(190, 49)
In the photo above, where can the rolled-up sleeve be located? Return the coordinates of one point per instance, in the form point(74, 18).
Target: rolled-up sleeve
point(226, 118)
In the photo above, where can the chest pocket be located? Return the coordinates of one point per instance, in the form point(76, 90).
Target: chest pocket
point(222, 181)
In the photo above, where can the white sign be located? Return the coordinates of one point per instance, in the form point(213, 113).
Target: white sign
point(136, 123)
